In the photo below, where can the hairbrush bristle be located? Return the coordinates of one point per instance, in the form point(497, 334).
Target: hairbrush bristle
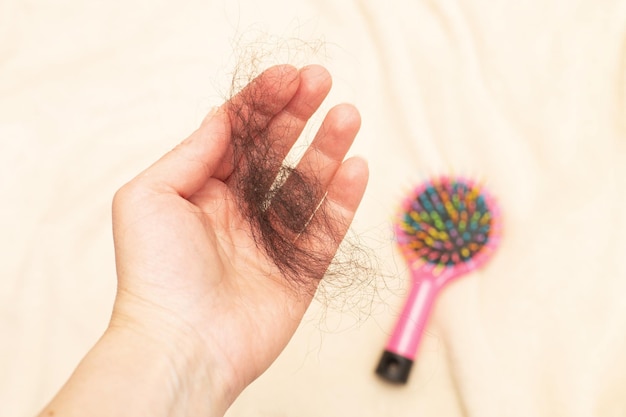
point(447, 222)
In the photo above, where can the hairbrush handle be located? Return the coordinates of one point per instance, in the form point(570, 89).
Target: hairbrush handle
point(397, 359)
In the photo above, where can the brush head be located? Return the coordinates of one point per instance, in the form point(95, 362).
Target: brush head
point(448, 224)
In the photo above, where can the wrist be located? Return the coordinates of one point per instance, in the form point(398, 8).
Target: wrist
point(195, 381)
point(130, 372)
point(174, 377)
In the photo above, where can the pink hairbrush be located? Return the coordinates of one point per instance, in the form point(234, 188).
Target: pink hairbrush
point(446, 227)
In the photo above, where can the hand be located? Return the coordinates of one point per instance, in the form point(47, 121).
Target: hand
point(190, 276)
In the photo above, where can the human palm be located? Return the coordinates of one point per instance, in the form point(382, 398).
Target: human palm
point(189, 267)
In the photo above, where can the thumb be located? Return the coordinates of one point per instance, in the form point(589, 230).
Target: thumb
point(187, 167)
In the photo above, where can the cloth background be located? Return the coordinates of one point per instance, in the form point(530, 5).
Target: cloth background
point(527, 96)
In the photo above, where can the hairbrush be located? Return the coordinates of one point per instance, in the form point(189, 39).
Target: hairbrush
point(446, 227)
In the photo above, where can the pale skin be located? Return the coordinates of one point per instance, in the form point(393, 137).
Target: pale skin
point(200, 310)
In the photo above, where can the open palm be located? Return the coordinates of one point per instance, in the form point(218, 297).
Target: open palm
point(188, 266)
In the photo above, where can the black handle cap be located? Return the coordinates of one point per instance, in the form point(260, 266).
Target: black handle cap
point(394, 368)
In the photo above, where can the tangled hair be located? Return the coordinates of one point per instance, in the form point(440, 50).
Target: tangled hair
point(282, 205)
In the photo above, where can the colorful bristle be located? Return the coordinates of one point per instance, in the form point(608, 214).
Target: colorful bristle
point(446, 222)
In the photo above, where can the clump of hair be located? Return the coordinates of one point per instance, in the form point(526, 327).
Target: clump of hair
point(282, 204)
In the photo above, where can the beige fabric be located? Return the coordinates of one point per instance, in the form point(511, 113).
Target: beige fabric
point(527, 95)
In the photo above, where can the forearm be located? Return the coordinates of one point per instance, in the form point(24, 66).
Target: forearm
point(125, 374)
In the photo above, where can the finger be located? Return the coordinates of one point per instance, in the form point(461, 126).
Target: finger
point(285, 128)
point(323, 158)
point(186, 168)
point(337, 211)
point(330, 145)
point(251, 110)
point(347, 188)
point(253, 107)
